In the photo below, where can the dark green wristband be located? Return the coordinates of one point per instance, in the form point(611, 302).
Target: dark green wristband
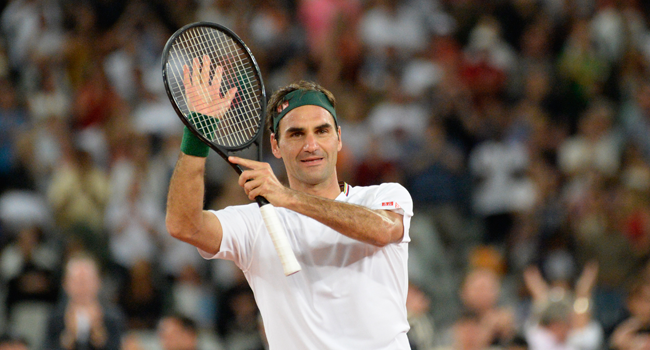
point(192, 145)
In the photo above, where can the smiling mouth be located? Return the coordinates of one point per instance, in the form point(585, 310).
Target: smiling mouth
point(311, 160)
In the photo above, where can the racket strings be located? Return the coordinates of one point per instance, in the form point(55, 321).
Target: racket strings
point(200, 41)
point(231, 135)
point(241, 122)
point(246, 123)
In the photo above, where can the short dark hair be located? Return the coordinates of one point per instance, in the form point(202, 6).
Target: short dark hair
point(278, 97)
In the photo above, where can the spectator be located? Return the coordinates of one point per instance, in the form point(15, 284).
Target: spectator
point(82, 320)
point(635, 118)
point(237, 318)
point(489, 60)
point(141, 297)
point(393, 24)
point(582, 71)
point(634, 332)
point(595, 149)
point(395, 135)
point(136, 225)
point(437, 180)
point(193, 297)
point(78, 194)
point(482, 322)
point(177, 332)
point(28, 269)
point(480, 294)
point(499, 168)
point(12, 125)
point(561, 317)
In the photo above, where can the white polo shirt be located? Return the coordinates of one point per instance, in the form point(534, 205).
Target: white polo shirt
point(348, 295)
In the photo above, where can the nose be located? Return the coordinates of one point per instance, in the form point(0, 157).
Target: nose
point(310, 144)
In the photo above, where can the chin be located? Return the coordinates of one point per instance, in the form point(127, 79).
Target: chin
point(312, 179)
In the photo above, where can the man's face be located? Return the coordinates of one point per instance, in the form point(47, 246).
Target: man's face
point(481, 290)
point(308, 144)
point(173, 336)
point(82, 282)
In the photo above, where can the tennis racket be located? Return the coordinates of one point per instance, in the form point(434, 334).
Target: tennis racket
point(216, 88)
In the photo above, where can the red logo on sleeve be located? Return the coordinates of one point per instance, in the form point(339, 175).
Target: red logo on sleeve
point(391, 204)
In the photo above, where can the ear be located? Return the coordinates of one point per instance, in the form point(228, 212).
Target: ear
point(340, 146)
point(274, 147)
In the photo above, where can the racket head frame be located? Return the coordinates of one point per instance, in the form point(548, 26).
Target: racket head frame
point(222, 150)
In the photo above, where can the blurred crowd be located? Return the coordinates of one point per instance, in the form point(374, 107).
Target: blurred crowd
point(520, 128)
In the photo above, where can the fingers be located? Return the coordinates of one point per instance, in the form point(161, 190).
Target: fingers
point(205, 72)
point(253, 182)
point(195, 72)
point(200, 74)
point(222, 105)
point(247, 163)
point(248, 176)
point(253, 188)
point(231, 94)
point(256, 179)
point(216, 79)
point(216, 83)
point(253, 165)
point(186, 77)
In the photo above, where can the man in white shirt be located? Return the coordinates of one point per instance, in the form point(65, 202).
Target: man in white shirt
point(351, 242)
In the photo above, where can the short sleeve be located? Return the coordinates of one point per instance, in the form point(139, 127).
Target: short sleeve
point(394, 197)
point(240, 225)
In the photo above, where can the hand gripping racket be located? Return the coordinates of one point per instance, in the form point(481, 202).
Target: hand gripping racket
point(216, 88)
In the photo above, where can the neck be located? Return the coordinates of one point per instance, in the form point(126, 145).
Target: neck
point(327, 189)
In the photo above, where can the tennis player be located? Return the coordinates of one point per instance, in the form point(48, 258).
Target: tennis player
point(351, 242)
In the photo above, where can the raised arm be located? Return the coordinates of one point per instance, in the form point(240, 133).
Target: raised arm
point(583, 290)
point(536, 284)
point(186, 220)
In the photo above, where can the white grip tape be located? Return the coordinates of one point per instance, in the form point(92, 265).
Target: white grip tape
point(279, 237)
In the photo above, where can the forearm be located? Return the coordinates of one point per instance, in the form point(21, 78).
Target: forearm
point(185, 197)
point(376, 227)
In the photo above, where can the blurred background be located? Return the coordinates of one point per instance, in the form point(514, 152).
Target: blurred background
point(520, 128)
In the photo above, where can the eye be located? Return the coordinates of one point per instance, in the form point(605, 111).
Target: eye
point(296, 134)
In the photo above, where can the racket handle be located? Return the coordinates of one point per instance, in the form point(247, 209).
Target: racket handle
point(290, 264)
